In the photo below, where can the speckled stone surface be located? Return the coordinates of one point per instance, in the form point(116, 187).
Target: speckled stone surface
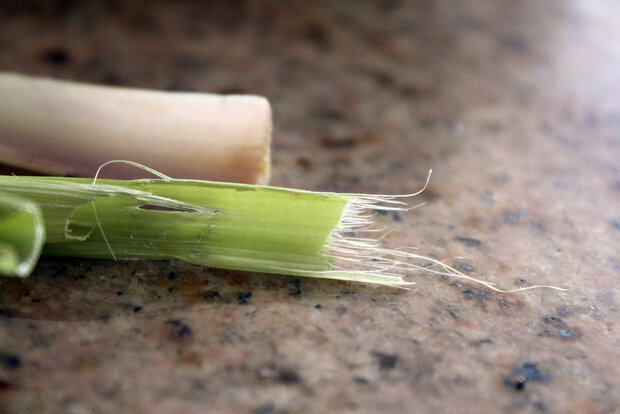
point(514, 104)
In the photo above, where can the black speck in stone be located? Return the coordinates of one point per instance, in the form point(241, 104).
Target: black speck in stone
point(288, 377)
point(317, 306)
point(553, 320)
point(530, 372)
point(184, 331)
point(514, 384)
point(481, 342)
point(211, 294)
point(56, 56)
point(386, 361)
point(468, 241)
point(615, 224)
point(360, 380)
point(565, 311)
point(119, 293)
point(464, 266)
point(396, 217)
point(10, 361)
point(475, 294)
point(294, 288)
point(172, 275)
point(181, 330)
point(137, 309)
point(317, 35)
point(243, 298)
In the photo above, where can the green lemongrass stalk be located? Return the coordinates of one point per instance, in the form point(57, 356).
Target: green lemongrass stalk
point(223, 225)
point(21, 235)
point(233, 226)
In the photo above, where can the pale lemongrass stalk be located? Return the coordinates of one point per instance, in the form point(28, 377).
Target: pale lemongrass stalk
point(68, 128)
point(233, 226)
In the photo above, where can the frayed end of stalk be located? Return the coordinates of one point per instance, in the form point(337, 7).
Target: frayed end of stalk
point(358, 255)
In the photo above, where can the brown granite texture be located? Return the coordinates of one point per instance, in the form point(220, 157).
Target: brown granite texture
point(514, 104)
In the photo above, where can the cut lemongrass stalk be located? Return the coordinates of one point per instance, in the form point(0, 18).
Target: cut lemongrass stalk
point(67, 128)
point(21, 235)
point(224, 225)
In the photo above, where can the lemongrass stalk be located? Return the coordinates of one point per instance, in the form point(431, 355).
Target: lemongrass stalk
point(68, 128)
point(21, 235)
point(224, 225)
point(233, 226)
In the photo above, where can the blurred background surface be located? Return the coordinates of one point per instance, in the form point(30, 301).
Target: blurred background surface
point(514, 104)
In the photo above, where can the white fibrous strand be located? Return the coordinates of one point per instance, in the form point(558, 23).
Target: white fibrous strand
point(356, 244)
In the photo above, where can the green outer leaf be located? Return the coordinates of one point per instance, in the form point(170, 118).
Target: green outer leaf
point(224, 225)
point(232, 226)
point(21, 235)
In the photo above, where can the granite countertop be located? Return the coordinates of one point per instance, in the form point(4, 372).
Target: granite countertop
point(516, 107)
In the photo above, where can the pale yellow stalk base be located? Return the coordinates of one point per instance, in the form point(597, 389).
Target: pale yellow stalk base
point(67, 128)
